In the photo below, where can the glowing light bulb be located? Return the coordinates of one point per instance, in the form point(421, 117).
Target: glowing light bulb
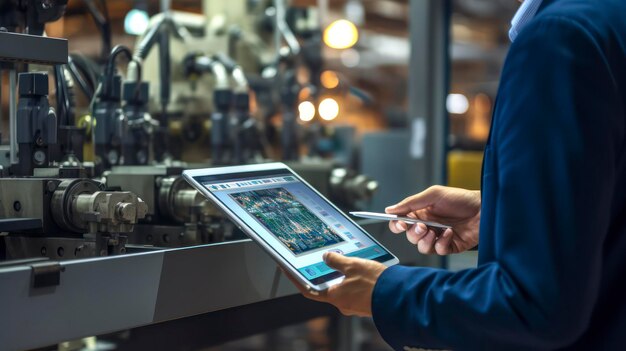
point(341, 34)
point(328, 109)
point(306, 111)
point(304, 93)
point(136, 22)
point(457, 104)
point(329, 79)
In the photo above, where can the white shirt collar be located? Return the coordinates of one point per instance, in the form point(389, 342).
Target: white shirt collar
point(526, 12)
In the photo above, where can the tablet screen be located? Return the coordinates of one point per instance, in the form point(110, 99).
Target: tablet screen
point(293, 219)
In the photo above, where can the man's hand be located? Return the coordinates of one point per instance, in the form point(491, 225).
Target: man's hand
point(455, 207)
point(353, 296)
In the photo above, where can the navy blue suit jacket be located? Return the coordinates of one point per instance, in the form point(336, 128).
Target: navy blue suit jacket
point(552, 255)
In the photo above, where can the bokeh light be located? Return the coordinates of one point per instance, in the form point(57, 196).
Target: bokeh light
point(341, 34)
point(329, 109)
point(306, 111)
point(329, 79)
point(457, 104)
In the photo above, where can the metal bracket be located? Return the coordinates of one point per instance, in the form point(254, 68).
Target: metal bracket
point(46, 274)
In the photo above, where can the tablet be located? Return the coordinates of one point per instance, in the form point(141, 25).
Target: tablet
point(291, 221)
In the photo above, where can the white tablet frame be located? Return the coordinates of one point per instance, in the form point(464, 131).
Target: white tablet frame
point(284, 263)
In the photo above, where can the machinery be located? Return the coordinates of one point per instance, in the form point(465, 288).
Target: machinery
point(84, 220)
point(178, 215)
point(209, 95)
point(213, 86)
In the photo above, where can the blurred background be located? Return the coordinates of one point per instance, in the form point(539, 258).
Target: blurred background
point(369, 100)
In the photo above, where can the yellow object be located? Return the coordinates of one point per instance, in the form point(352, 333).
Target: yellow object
point(341, 34)
point(89, 153)
point(464, 168)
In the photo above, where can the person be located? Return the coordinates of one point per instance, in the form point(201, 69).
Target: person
point(550, 221)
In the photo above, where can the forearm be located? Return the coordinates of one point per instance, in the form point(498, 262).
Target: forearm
point(481, 308)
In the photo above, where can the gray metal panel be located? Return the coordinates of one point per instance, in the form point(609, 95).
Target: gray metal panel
point(103, 295)
point(385, 157)
point(428, 67)
point(17, 47)
point(95, 296)
point(210, 278)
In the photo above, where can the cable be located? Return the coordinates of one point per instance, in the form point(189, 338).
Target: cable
point(88, 91)
point(109, 73)
point(63, 99)
point(117, 50)
point(89, 69)
point(103, 23)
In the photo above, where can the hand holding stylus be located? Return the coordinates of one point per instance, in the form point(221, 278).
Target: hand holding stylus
point(458, 208)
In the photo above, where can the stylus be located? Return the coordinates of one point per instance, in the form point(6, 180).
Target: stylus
point(389, 217)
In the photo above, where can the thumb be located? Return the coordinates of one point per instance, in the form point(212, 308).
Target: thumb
point(336, 261)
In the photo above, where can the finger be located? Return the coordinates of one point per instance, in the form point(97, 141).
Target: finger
point(337, 261)
point(393, 228)
point(425, 245)
point(416, 232)
point(442, 246)
point(416, 202)
point(398, 226)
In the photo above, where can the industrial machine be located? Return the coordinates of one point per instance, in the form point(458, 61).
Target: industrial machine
point(199, 91)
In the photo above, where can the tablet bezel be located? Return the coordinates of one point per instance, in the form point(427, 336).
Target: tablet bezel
point(283, 262)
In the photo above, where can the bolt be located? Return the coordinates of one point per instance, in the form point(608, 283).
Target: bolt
point(166, 238)
point(17, 206)
point(126, 211)
point(60, 251)
point(149, 238)
point(51, 186)
point(44, 251)
point(39, 157)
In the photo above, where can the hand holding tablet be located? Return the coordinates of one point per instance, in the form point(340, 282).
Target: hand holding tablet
point(289, 219)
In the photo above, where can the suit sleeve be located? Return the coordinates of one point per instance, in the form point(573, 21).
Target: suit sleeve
point(552, 171)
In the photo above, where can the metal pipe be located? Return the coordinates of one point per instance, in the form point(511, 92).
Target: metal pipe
point(283, 29)
point(165, 75)
point(241, 82)
point(277, 41)
point(13, 116)
point(166, 5)
point(217, 68)
point(143, 49)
